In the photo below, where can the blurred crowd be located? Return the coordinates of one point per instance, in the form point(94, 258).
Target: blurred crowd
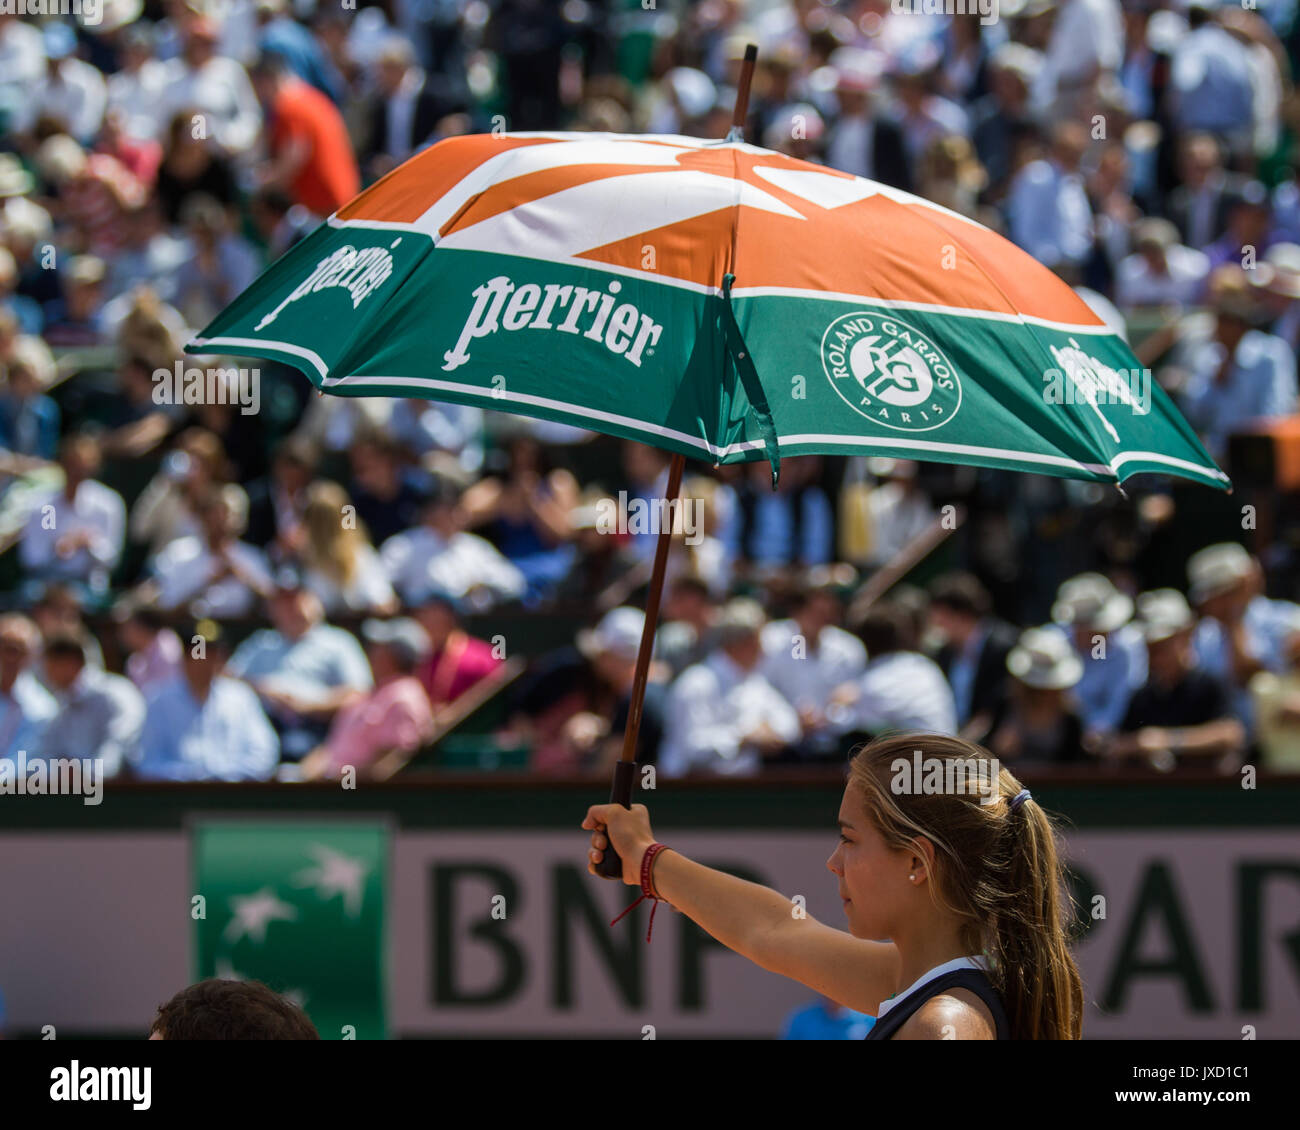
point(184, 601)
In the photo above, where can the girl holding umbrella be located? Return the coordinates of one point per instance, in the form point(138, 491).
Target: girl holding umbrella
point(967, 888)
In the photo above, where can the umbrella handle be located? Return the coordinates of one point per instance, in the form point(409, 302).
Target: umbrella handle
point(620, 792)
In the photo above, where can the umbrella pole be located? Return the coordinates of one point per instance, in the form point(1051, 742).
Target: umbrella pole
point(625, 770)
point(611, 866)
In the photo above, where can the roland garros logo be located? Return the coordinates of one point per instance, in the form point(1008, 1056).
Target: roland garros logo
point(890, 372)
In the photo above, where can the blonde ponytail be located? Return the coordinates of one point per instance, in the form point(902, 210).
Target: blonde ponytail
point(997, 869)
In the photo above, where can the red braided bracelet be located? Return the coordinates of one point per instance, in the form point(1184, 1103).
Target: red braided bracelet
point(647, 887)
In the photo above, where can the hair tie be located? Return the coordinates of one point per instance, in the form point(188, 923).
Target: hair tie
point(1016, 801)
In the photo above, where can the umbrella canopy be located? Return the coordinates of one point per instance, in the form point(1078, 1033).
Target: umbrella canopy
point(709, 297)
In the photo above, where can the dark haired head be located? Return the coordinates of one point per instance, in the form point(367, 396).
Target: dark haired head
point(691, 583)
point(60, 596)
point(444, 495)
point(231, 1010)
point(65, 645)
point(273, 200)
point(884, 628)
point(269, 65)
point(297, 450)
point(150, 619)
point(961, 592)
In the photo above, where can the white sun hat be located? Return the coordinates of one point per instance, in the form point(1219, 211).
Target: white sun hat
point(1216, 569)
point(1043, 658)
point(1163, 613)
point(1091, 601)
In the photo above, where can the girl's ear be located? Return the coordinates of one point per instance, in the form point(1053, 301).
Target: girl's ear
point(922, 857)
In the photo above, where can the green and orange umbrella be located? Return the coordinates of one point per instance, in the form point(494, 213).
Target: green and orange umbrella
point(712, 298)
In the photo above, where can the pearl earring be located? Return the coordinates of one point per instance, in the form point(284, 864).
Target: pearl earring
point(912, 876)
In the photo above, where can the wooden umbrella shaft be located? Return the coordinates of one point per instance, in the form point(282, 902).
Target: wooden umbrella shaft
point(611, 866)
point(620, 792)
point(741, 110)
point(652, 611)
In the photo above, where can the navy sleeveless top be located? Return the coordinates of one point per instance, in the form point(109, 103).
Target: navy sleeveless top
point(973, 979)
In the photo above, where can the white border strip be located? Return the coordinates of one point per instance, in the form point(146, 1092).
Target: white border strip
point(1022, 456)
point(542, 402)
point(316, 360)
point(803, 439)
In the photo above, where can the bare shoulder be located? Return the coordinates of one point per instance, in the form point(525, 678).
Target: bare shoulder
point(955, 1015)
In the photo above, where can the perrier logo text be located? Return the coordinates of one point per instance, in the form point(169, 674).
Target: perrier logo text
point(890, 372)
point(622, 329)
point(360, 273)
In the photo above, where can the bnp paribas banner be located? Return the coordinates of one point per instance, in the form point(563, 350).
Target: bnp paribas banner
point(299, 906)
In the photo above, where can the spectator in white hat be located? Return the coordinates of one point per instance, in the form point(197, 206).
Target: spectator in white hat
point(1277, 281)
point(1161, 271)
point(79, 320)
point(612, 648)
point(571, 706)
point(682, 96)
point(1238, 374)
point(797, 131)
point(1182, 713)
point(1038, 724)
point(861, 140)
point(1240, 632)
point(1094, 616)
point(722, 715)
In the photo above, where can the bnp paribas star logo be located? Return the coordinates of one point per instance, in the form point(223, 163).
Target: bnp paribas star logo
point(890, 372)
point(299, 906)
